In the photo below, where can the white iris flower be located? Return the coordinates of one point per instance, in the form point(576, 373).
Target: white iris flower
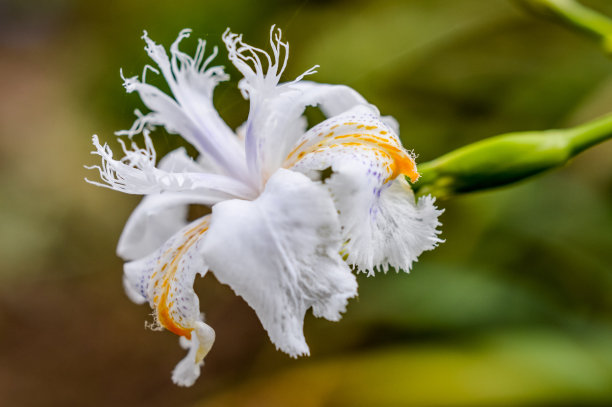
point(294, 210)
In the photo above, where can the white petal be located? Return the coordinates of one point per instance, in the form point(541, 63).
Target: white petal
point(275, 120)
point(191, 112)
point(386, 227)
point(382, 224)
point(391, 123)
point(166, 276)
point(165, 279)
point(281, 254)
point(331, 99)
point(136, 173)
point(159, 216)
point(188, 369)
point(284, 124)
point(269, 111)
point(156, 218)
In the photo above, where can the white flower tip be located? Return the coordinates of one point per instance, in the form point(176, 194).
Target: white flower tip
point(94, 182)
point(188, 369)
point(333, 308)
point(261, 70)
point(184, 33)
point(296, 349)
point(128, 83)
point(206, 338)
point(227, 34)
point(147, 39)
point(185, 373)
point(311, 71)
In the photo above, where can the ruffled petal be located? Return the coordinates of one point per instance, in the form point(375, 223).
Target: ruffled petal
point(165, 279)
point(275, 120)
point(361, 160)
point(136, 173)
point(280, 252)
point(191, 112)
point(268, 113)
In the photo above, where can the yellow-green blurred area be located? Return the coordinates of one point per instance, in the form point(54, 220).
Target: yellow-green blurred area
point(514, 309)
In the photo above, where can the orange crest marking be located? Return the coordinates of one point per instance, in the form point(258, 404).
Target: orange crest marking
point(167, 313)
point(400, 161)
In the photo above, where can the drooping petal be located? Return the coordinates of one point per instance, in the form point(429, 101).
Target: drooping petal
point(188, 369)
point(136, 173)
point(284, 250)
point(165, 279)
point(361, 160)
point(191, 112)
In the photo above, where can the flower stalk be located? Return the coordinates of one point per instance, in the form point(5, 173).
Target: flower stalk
point(576, 15)
point(507, 158)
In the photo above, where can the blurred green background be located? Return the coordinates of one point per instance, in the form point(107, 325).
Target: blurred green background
point(514, 309)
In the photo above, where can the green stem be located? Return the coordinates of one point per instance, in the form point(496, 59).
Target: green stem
point(508, 158)
point(575, 14)
point(589, 134)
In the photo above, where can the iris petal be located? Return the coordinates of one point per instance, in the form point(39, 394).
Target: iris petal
point(190, 112)
point(165, 279)
point(280, 252)
point(382, 223)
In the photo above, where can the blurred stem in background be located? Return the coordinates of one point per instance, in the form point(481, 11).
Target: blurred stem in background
point(508, 158)
point(575, 15)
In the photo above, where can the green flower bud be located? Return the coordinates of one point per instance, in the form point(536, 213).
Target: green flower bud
point(507, 158)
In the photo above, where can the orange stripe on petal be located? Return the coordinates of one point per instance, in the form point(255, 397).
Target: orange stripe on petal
point(401, 162)
point(165, 304)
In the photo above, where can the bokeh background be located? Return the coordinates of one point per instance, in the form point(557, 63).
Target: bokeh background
point(514, 309)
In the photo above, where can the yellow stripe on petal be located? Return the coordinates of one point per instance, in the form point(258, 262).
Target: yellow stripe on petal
point(166, 284)
point(375, 136)
point(165, 280)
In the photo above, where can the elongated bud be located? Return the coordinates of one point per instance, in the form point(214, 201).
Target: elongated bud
point(508, 158)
